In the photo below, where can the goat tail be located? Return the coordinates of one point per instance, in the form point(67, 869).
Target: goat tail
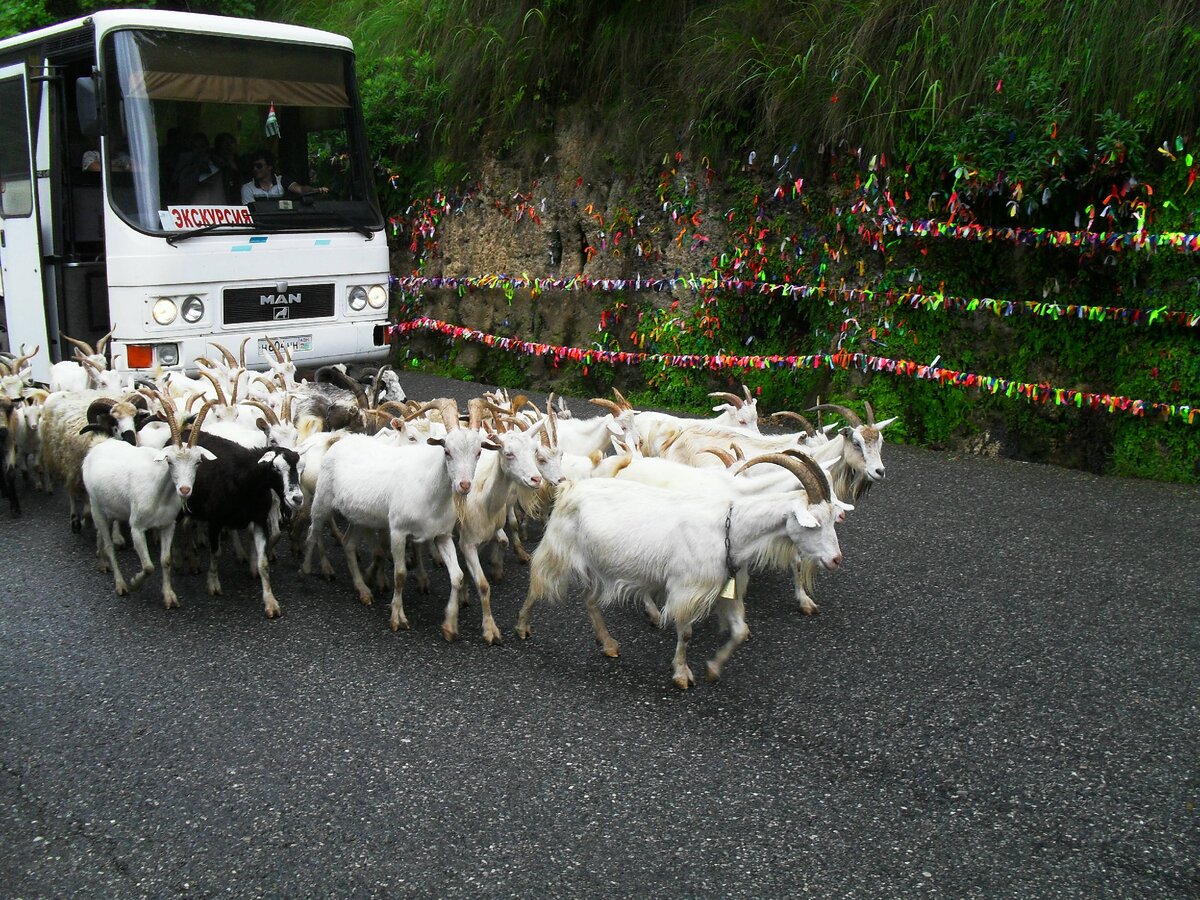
point(549, 570)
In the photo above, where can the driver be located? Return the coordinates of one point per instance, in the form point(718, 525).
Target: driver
point(266, 183)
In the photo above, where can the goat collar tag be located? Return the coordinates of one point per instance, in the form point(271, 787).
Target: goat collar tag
point(729, 566)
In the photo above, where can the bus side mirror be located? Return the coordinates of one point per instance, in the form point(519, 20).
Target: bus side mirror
point(87, 104)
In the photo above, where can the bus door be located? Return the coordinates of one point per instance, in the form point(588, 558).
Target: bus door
point(20, 238)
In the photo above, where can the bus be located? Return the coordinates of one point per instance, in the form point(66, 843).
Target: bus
point(178, 180)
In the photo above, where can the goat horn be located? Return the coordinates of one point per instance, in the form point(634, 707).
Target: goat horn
point(607, 404)
point(395, 408)
point(736, 450)
point(197, 422)
point(24, 358)
point(848, 414)
point(84, 361)
point(746, 391)
point(230, 359)
point(788, 414)
point(272, 418)
point(271, 342)
point(192, 402)
point(167, 410)
point(475, 409)
point(734, 399)
point(216, 384)
point(82, 345)
point(720, 454)
point(242, 351)
point(423, 408)
point(103, 342)
point(552, 426)
point(4, 369)
point(804, 468)
point(285, 410)
point(625, 404)
point(870, 413)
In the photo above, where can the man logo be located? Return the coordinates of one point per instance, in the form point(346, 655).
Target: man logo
point(281, 312)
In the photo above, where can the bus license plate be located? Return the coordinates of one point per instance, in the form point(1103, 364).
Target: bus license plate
point(296, 342)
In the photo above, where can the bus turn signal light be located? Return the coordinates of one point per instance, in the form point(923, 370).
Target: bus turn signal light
point(139, 356)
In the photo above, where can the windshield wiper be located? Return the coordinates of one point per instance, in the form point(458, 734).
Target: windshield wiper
point(306, 199)
point(176, 237)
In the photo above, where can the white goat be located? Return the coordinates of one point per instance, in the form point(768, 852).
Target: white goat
point(624, 541)
point(408, 491)
point(146, 487)
point(483, 513)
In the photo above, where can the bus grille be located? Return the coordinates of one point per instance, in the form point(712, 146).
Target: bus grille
point(265, 304)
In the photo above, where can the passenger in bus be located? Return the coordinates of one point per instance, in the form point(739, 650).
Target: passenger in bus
point(225, 157)
point(91, 161)
point(266, 183)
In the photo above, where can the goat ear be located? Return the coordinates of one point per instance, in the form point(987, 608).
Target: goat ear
point(268, 457)
point(885, 423)
point(722, 407)
point(846, 507)
point(206, 453)
point(93, 428)
point(161, 456)
point(845, 431)
point(261, 424)
point(806, 519)
point(437, 442)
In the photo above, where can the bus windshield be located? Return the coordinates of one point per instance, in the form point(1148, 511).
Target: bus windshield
point(205, 130)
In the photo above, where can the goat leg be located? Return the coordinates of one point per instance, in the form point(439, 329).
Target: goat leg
point(270, 604)
point(491, 633)
point(608, 646)
point(166, 540)
point(443, 549)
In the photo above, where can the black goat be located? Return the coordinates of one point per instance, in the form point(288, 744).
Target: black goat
point(236, 490)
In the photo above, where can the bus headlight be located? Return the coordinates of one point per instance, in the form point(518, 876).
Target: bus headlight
point(377, 296)
point(193, 310)
point(168, 354)
point(164, 311)
point(358, 298)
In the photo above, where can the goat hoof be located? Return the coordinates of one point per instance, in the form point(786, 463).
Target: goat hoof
point(492, 636)
point(449, 634)
point(523, 633)
point(367, 600)
point(273, 611)
point(711, 672)
point(611, 650)
point(122, 590)
point(76, 525)
point(397, 624)
point(171, 603)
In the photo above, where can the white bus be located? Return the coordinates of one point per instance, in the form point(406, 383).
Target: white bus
point(127, 155)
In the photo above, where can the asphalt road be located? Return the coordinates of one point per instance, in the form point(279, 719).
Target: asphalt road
point(998, 699)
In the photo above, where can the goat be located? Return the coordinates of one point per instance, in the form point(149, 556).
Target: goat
point(623, 541)
point(582, 437)
point(15, 377)
point(71, 423)
point(8, 468)
point(483, 513)
point(27, 441)
point(84, 350)
point(236, 489)
point(671, 475)
point(407, 490)
point(736, 412)
point(131, 484)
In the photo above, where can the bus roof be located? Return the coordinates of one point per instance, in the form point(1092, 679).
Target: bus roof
point(110, 20)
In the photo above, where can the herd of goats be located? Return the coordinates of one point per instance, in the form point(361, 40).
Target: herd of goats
point(637, 506)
